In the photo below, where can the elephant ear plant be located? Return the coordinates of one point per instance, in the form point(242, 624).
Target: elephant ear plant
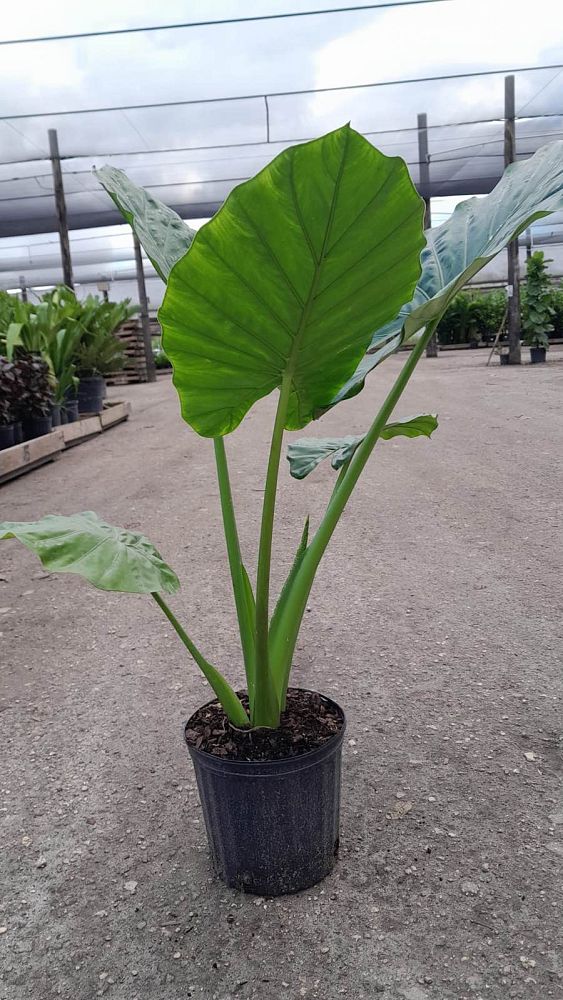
point(307, 278)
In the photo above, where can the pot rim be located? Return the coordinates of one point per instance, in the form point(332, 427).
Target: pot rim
point(262, 767)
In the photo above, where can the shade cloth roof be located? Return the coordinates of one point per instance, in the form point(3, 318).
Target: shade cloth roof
point(190, 153)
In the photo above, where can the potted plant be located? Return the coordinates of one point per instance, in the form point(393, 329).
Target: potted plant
point(99, 352)
point(9, 393)
point(536, 322)
point(57, 315)
point(48, 328)
point(282, 291)
point(36, 395)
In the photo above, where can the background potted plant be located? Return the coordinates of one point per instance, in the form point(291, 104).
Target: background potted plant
point(73, 337)
point(48, 329)
point(99, 352)
point(57, 317)
point(9, 395)
point(35, 395)
point(283, 290)
point(538, 311)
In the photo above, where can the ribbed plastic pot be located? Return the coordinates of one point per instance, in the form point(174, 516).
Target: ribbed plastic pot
point(537, 355)
point(272, 826)
point(36, 426)
point(7, 439)
point(18, 432)
point(56, 414)
point(91, 393)
point(69, 412)
point(504, 359)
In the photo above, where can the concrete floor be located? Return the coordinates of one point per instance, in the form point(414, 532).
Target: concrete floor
point(436, 621)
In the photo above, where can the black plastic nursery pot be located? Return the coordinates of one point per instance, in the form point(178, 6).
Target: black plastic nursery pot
point(7, 436)
point(537, 355)
point(56, 414)
point(36, 426)
point(91, 392)
point(504, 359)
point(272, 826)
point(18, 432)
point(69, 412)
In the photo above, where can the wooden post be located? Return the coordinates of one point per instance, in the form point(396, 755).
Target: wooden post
point(145, 319)
point(61, 207)
point(514, 355)
point(424, 175)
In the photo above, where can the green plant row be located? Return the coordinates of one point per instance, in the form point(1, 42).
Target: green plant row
point(474, 317)
point(296, 287)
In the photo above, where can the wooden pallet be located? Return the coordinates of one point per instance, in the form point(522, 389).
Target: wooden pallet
point(130, 336)
point(31, 454)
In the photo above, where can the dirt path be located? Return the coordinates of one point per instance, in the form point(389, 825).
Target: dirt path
point(436, 622)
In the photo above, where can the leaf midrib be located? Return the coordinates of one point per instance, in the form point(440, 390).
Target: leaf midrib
point(317, 261)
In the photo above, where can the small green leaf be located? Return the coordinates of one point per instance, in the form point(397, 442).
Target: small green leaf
point(306, 453)
point(289, 280)
point(163, 234)
point(476, 232)
point(110, 558)
point(13, 339)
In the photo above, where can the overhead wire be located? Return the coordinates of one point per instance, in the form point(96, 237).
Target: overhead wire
point(356, 8)
point(200, 182)
point(432, 157)
point(105, 154)
point(280, 93)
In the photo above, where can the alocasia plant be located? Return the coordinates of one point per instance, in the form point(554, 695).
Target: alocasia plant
point(317, 260)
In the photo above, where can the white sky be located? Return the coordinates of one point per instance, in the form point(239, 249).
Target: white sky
point(334, 50)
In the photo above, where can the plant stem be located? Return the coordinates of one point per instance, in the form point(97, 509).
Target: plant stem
point(341, 475)
point(295, 606)
point(229, 700)
point(244, 612)
point(266, 705)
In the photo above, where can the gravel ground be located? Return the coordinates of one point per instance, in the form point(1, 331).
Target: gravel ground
point(436, 622)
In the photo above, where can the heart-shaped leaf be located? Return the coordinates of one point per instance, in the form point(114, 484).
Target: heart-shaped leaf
point(110, 558)
point(289, 280)
point(476, 232)
point(306, 453)
point(164, 236)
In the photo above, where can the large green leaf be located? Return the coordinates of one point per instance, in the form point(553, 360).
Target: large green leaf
point(163, 234)
point(306, 453)
point(110, 558)
point(290, 279)
point(476, 232)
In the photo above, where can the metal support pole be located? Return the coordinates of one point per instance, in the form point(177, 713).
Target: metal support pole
point(145, 320)
point(514, 355)
point(424, 175)
point(23, 288)
point(61, 207)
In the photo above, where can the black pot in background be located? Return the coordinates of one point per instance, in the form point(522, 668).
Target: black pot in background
point(504, 359)
point(91, 394)
point(272, 826)
point(69, 414)
point(18, 432)
point(56, 414)
point(7, 439)
point(537, 355)
point(36, 426)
